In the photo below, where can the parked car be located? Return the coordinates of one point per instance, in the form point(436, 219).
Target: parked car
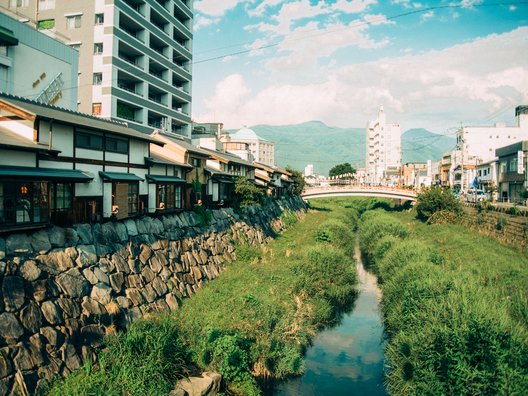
point(475, 195)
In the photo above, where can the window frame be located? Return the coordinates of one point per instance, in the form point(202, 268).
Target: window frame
point(118, 139)
point(97, 78)
point(99, 19)
point(98, 48)
point(77, 22)
point(90, 135)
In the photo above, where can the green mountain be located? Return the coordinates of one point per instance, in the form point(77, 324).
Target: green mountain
point(324, 146)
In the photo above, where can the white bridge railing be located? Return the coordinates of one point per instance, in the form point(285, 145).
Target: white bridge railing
point(358, 190)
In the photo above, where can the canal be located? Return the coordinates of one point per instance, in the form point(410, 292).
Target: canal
point(346, 359)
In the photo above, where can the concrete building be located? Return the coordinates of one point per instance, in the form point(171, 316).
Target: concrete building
point(488, 177)
point(482, 141)
point(36, 66)
point(383, 155)
point(207, 135)
point(263, 150)
point(135, 56)
point(512, 175)
point(309, 170)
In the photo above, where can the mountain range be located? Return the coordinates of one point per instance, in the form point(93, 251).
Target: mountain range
point(325, 146)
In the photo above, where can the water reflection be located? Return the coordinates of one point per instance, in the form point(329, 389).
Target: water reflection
point(346, 359)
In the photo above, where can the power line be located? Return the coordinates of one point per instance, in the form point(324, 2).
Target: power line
point(352, 25)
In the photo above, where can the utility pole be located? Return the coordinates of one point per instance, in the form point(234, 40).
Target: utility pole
point(462, 157)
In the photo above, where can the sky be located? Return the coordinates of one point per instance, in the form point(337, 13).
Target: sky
point(430, 64)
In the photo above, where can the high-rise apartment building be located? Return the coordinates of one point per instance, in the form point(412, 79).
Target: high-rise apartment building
point(383, 157)
point(135, 56)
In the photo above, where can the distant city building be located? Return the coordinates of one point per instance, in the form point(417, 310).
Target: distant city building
point(482, 141)
point(263, 150)
point(36, 66)
point(309, 170)
point(135, 56)
point(383, 156)
point(512, 175)
point(207, 135)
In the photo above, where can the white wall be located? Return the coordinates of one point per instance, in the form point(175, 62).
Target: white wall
point(17, 158)
point(95, 187)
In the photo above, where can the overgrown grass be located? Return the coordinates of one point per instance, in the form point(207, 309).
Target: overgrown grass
point(456, 320)
point(255, 321)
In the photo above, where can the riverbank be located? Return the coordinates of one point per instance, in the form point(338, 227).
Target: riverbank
point(454, 303)
point(252, 322)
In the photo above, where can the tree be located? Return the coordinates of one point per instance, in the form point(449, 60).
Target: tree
point(247, 193)
point(298, 181)
point(436, 200)
point(342, 169)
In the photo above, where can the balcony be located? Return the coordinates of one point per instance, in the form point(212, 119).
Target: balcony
point(127, 111)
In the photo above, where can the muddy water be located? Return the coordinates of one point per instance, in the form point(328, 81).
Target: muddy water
point(348, 358)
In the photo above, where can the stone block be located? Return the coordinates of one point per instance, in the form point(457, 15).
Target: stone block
point(13, 292)
point(135, 296)
point(149, 293)
point(120, 263)
point(56, 261)
point(44, 289)
point(147, 274)
point(57, 236)
point(159, 286)
point(30, 317)
point(93, 335)
point(2, 248)
point(87, 256)
point(131, 227)
point(70, 357)
point(17, 244)
point(84, 232)
point(101, 293)
point(70, 307)
point(73, 284)
point(52, 336)
point(6, 367)
point(10, 327)
point(92, 308)
point(121, 231)
point(29, 270)
point(40, 242)
point(52, 313)
point(117, 281)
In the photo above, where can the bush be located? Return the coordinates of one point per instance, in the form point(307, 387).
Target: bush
point(338, 233)
point(246, 193)
point(435, 199)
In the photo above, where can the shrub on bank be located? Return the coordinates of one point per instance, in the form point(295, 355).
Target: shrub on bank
point(437, 200)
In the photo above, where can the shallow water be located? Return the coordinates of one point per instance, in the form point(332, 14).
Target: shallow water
point(348, 358)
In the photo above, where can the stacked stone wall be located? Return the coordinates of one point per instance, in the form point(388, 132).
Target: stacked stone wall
point(509, 229)
point(64, 289)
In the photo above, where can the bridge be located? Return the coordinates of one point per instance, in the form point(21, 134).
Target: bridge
point(358, 191)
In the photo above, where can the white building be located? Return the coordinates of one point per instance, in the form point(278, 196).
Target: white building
point(482, 141)
point(263, 150)
point(383, 156)
point(309, 170)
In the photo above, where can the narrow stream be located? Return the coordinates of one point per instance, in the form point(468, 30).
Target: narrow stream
point(348, 358)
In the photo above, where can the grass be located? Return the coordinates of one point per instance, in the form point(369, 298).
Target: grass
point(253, 322)
point(454, 304)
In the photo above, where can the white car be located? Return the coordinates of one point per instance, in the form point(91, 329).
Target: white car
point(475, 195)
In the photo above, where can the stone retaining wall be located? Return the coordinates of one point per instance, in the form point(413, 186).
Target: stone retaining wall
point(506, 228)
point(64, 289)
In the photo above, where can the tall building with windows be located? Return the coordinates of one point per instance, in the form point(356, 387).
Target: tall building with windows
point(135, 56)
point(383, 156)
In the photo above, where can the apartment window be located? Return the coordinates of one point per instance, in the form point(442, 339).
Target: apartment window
point(97, 78)
point(18, 3)
point(98, 48)
point(99, 19)
point(73, 22)
point(4, 50)
point(46, 24)
point(96, 109)
point(89, 140)
point(116, 144)
point(46, 4)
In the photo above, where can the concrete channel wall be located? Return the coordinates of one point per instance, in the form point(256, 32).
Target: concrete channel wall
point(64, 289)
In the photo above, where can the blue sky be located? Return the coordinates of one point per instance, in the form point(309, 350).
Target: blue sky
point(431, 64)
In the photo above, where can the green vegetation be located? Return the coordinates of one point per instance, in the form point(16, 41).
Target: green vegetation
point(298, 181)
point(254, 321)
point(455, 307)
point(438, 205)
point(247, 193)
point(342, 169)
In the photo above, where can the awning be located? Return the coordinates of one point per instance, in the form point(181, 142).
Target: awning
point(119, 177)
point(223, 179)
point(23, 172)
point(164, 179)
point(7, 37)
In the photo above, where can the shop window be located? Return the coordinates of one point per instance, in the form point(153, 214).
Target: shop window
point(133, 198)
point(23, 202)
point(169, 196)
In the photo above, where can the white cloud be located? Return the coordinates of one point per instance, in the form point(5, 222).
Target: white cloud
point(352, 6)
point(377, 19)
point(470, 3)
point(427, 15)
point(201, 21)
point(216, 8)
point(262, 7)
point(435, 90)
